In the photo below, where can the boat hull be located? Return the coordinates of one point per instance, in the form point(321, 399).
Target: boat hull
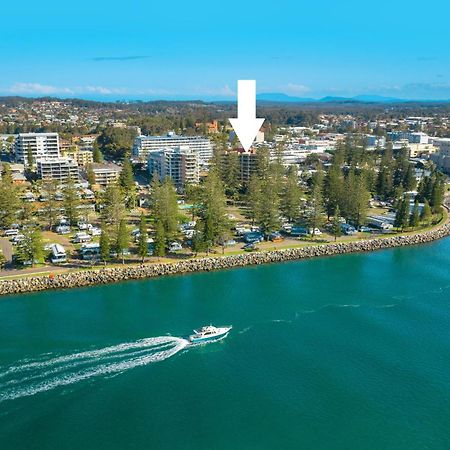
point(193, 339)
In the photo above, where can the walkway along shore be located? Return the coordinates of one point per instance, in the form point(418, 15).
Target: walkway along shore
point(136, 272)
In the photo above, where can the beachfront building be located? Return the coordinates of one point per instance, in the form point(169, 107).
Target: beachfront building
point(181, 164)
point(144, 145)
point(248, 165)
point(40, 145)
point(60, 169)
point(105, 173)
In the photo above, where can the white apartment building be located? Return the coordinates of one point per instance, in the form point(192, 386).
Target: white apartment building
point(181, 164)
point(106, 173)
point(41, 145)
point(60, 169)
point(143, 145)
point(442, 157)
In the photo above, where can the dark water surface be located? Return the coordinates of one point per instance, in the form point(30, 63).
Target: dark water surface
point(347, 352)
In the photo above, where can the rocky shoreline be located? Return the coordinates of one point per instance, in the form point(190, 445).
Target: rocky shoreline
point(136, 272)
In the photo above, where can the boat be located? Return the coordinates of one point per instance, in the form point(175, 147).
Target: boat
point(209, 333)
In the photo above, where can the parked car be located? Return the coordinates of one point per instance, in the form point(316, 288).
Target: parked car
point(253, 236)
point(275, 237)
point(62, 229)
point(11, 232)
point(175, 246)
point(83, 225)
point(348, 229)
point(95, 231)
point(316, 231)
point(250, 247)
point(17, 239)
point(125, 252)
point(229, 243)
point(299, 231)
point(365, 229)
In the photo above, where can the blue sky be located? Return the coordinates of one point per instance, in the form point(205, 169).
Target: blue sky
point(148, 49)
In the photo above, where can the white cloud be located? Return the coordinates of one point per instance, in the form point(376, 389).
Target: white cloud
point(21, 88)
point(37, 88)
point(293, 88)
point(224, 91)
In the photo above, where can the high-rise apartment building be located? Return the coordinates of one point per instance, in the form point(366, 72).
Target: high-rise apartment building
point(143, 145)
point(60, 169)
point(39, 145)
point(181, 164)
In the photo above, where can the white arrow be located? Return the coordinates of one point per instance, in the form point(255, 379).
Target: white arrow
point(246, 126)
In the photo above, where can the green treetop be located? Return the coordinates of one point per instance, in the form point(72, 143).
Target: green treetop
point(143, 238)
point(105, 243)
point(122, 239)
point(71, 202)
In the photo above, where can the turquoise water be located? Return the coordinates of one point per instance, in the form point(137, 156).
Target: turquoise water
point(348, 352)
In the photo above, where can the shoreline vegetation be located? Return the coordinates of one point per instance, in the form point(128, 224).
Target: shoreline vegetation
point(109, 275)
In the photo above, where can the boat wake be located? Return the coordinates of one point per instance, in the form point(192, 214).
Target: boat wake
point(30, 377)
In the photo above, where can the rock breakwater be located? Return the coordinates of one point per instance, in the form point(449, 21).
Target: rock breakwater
point(136, 272)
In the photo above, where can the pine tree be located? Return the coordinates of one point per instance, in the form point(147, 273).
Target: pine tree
point(315, 214)
point(437, 196)
point(214, 223)
point(126, 181)
point(402, 214)
point(90, 175)
point(336, 224)
point(290, 202)
point(426, 215)
point(160, 239)
point(385, 181)
point(269, 208)
point(122, 239)
point(334, 188)
point(113, 209)
point(51, 205)
point(9, 199)
point(97, 155)
point(409, 181)
point(165, 207)
point(361, 200)
point(71, 202)
point(143, 237)
point(414, 220)
point(105, 244)
point(31, 248)
point(254, 198)
point(231, 174)
point(30, 159)
point(263, 162)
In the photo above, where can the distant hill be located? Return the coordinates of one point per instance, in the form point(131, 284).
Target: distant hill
point(366, 98)
point(282, 98)
point(278, 97)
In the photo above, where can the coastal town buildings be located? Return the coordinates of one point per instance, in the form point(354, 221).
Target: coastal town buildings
point(442, 156)
point(144, 145)
point(181, 164)
point(60, 169)
point(39, 145)
point(105, 173)
point(82, 157)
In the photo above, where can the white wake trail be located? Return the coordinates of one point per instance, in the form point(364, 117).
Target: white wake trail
point(140, 353)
